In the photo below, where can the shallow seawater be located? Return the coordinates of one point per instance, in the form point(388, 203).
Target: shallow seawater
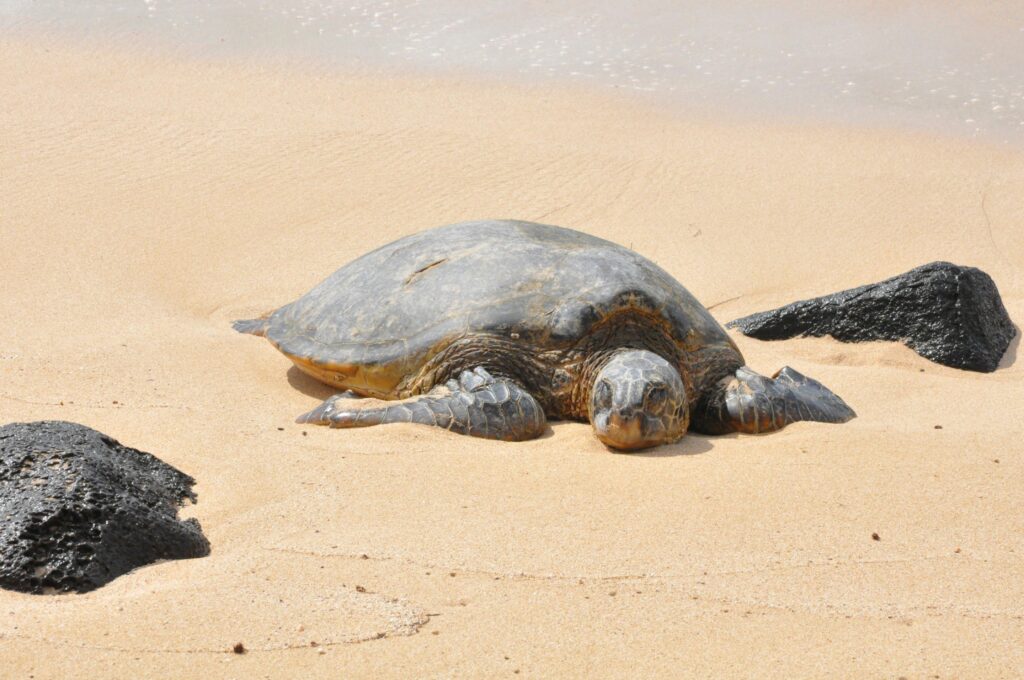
point(952, 68)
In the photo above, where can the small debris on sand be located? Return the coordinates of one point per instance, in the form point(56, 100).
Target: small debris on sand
point(239, 648)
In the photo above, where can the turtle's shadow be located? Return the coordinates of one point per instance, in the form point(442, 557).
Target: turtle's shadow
point(311, 387)
point(690, 445)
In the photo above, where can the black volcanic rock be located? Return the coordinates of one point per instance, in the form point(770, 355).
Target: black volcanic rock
point(950, 314)
point(78, 509)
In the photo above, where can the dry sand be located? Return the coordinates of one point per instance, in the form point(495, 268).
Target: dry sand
point(145, 202)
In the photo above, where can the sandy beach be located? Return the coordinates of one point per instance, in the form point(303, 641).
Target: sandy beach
point(147, 200)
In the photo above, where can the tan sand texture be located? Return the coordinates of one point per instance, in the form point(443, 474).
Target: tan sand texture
point(146, 201)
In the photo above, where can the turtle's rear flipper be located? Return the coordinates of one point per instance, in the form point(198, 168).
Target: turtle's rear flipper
point(476, 404)
point(749, 402)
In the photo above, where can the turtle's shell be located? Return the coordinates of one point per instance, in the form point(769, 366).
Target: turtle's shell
point(379, 318)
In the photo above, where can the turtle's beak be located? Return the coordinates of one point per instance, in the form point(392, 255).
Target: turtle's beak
point(621, 432)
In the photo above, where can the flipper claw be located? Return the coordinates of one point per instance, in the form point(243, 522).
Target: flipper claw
point(318, 415)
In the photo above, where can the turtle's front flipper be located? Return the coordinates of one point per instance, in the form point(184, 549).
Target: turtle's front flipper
point(476, 404)
point(749, 402)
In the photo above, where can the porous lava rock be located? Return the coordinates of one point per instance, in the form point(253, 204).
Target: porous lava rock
point(950, 314)
point(78, 509)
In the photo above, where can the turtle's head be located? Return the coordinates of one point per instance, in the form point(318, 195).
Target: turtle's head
point(638, 400)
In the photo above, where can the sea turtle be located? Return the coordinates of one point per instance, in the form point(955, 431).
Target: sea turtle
point(488, 328)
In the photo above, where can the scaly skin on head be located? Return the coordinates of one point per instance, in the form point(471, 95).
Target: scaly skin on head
point(638, 400)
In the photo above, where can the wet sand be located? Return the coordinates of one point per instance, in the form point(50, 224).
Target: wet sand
point(149, 201)
point(920, 65)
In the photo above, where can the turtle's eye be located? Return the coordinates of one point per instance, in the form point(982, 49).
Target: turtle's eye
point(603, 395)
point(656, 398)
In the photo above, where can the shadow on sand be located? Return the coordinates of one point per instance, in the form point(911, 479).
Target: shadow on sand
point(311, 387)
point(1010, 355)
point(690, 445)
